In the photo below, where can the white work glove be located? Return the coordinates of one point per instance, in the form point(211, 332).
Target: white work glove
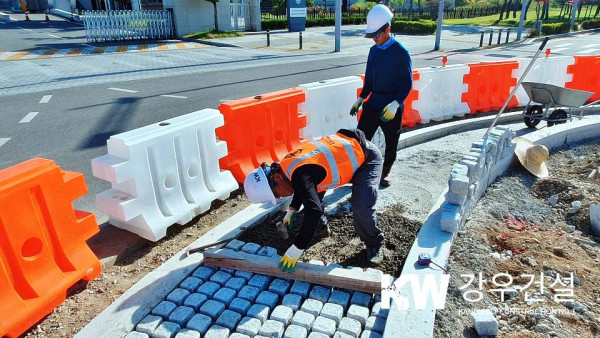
point(356, 106)
point(288, 221)
point(290, 259)
point(389, 112)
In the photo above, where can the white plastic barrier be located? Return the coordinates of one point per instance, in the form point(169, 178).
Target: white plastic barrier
point(163, 173)
point(328, 104)
point(440, 93)
point(551, 70)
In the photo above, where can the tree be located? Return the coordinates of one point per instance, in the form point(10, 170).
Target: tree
point(215, 2)
point(503, 9)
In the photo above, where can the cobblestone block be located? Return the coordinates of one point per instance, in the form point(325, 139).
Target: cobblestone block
point(260, 282)
point(292, 301)
point(220, 277)
point(229, 319)
point(217, 331)
point(282, 314)
point(485, 323)
point(249, 293)
point(250, 248)
point(191, 284)
point(187, 333)
point(135, 334)
point(334, 265)
point(316, 262)
point(259, 311)
point(370, 334)
point(324, 325)
point(212, 308)
point(267, 251)
point(312, 306)
point(339, 334)
point(249, 326)
point(340, 297)
point(279, 286)
point(166, 330)
point(359, 313)
point(244, 274)
point(350, 326)
point(272, 328)
point(377, 311)
point(199, 323)
point(268, 298)
point(227, 270)
point(148, 324)
point(361, 298)
point(195, 301)
point(178, 296)
point(235, 283)
point(377, 299)
point(376, 324)
point(320, 293)
point(295, 331)
point(181, 315)
point(164, 309)
point(333, 311)
point(300, 288)
point(235, 245)
point(209, 289)
point(303, 319)
point(240, 306)
point(317, 335)
point(204, 273)
point(225, 296)
point(238, 335)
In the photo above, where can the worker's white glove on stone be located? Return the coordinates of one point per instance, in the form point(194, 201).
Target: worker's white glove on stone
point(290, 259)
point(356, 106)
point(389, 112)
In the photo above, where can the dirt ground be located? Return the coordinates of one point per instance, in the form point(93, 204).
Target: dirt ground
point(344, 246)
point(86, 301)
point(516, 230)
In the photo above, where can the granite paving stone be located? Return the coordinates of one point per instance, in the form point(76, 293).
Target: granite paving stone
point(195, 301)
point(312, 306)
point(238, 335)
point(260, 282)
point(259, 311)
point(249, 326)
point(164, 309)
point(324, 325)
point(377, 311)
point(166, 330)
point(204, 273)
point(250, 248)
point(235, 245)
point(293, 301)
point(220, 277)
point(361, 298)
point(303, 319)
point(268, 298)
point(209, 289)
point(227, 270)
point(300, 288)
point(181, 315)
point(279, 286)
point(340, 297)
point(316, 262)
point(135, 334)
point(272, 328)
point(240, 306)
point(350, 326)
point(199, 323)
point(267, 251)
point(235, 283)
point(217, 331)
point(376, 324)
point(244, 274)
point(320, 293)
point(187, 333)
point(191, 284)
point(282, 314)
point(148, 324)
point(333, 311)
point(225, 296)
point(212, 308)
point(370, 334)
point(249, 293)
point(359, 313)
point(229, 319)
point(178, 296)
point(317, 335)
point(295, 331)
point(339, 334)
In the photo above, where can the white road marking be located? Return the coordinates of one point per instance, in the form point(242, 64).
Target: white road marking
point(588, 51)
point(556, 50)
point(563, 45)
point(175, 96)
point(55, 36)
point(590, 45)
point(29, 117)
point(27, 29)
point(123, 90)
point(46, 99)
point(3, 141)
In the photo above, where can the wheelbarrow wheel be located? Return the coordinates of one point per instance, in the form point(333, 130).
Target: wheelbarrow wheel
point(558, 114)
point(533, 111)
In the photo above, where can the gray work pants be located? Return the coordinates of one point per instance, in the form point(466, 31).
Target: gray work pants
point(365, 186)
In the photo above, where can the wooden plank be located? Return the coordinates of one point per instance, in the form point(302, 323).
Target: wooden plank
point(366, 281)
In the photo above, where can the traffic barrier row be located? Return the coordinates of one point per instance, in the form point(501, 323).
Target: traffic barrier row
point(545, 70)
point(586, 75)
point(440, 93)
point(489, 85)
point(43, 250)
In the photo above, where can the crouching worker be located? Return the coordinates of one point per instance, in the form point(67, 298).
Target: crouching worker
point(307, 172)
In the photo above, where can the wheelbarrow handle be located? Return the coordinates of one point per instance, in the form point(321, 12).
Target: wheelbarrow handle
point(544, 43)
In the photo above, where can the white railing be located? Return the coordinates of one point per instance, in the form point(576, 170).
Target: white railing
point(103, 26)
point(240, 16)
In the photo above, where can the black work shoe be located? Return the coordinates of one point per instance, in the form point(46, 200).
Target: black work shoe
point(375, 255)
point(384, 182)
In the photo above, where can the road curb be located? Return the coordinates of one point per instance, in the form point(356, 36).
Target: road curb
point(212, 43)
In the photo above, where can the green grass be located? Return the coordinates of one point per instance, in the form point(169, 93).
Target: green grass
point(492, 20)
point(213, 35)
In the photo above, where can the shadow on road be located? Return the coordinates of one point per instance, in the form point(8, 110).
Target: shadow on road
point(113, 122)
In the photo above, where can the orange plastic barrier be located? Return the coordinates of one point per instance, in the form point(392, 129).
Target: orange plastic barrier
point(42, 242)
point(260, 129)
point(586, 75)
point(489, 85)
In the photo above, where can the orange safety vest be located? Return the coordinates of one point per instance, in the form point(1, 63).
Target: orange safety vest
point(341, 156)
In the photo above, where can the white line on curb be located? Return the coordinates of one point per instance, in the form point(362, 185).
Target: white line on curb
point(46, 99)
point(55, 36)
point(123, 90)
point(3, 141)
point(29, 117)
point(175, 96)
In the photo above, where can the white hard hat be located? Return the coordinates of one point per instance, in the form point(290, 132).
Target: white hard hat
point(257, 187)
point(378, 16)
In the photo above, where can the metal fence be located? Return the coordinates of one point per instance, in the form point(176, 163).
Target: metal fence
point(103, 26)
point(240, 16)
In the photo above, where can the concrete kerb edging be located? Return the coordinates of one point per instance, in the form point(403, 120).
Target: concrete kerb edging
point(420, 323)
point(211, 43)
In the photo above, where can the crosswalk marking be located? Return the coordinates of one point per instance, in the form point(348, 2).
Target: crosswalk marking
point(590, 45)
point(124, 90)
point(29, 117)
point(556, 50)
point(588, 51)
point(46, 99)
point(563, 45)
point(175, 96)
point(3, 141)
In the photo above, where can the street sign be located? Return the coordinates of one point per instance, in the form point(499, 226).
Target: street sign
point(296, 13)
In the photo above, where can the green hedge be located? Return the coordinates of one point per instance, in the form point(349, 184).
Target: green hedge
point(590, 24)
point(555, 28)
point(414, 27)
point(398, 26)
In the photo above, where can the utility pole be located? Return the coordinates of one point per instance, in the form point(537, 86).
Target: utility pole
point(573, 12)
point(438, 33)
point(522, 20)
point(338, 24)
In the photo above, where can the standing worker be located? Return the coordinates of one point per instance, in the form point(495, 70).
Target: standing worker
point(388, 79)
point(307, 172)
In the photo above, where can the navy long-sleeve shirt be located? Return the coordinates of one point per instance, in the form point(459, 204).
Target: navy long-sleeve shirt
point(389, 74)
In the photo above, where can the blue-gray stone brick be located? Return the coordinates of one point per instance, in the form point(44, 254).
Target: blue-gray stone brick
point(485, 323)
point(164, 309)
point(166, 330)
point(340, 297)
point(260, 282)
point(217, 331)
point(195, 301)
point(279, 286)
point(191, 284)
point(350, 326)
point(377, 311)
point(318, 335)
point(238, 335)
point(293, 301)
point(359, 313)
point(334, 265)
point(333, 311)
point(377, 298)
point(312, 306)
point(250, 248)
point(229, 319)
point(267, 251)
point(376, 324)
point(268, 298)
point(228, 270)
point(361, 298)
point(320, 293)
point(339, 334)
point(135, 334)
point(272, 328)
point(249, 293)
point(259, 311)
point(282, 314)
point(204, 273)
point(235, 245)
point(240, 306)
point(148, 324)
point(212, 308)
point(300, 288)
point(187, 333)
point(244, 274)
point(303, 319)
point(178, 296)
point(209, 289)
point(220, 277)
point(370, 334)
point(249, 326)
point(225, 296)
point(324, 325)
point(181, 315)
point(295, 331)
point(200, 323)
point(235, 283)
